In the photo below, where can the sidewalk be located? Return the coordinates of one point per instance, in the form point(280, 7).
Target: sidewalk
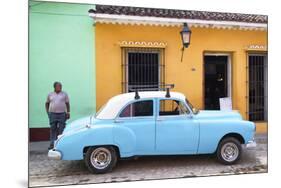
point(261, 138)
point(39, 147)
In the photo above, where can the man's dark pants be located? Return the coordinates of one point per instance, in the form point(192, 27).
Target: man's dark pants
point(57, 123)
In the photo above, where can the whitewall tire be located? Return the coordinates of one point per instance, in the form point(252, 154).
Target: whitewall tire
point(100, 159)
point(229, 151)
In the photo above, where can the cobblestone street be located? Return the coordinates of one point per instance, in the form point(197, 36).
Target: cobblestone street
point(46, 172)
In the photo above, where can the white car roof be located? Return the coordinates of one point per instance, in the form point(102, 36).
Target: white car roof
point(111, 109)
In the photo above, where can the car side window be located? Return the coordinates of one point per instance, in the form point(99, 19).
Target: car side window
point(139, 108)
point(169, 107)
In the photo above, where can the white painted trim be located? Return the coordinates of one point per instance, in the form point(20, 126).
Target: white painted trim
point(146, 44)
point(148, 20)
point(216, 54)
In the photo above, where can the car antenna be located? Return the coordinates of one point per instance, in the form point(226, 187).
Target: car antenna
point(137, 96)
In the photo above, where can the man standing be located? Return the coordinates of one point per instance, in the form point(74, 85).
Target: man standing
point(58, 110)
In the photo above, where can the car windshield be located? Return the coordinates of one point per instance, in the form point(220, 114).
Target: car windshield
point(194, 110)
point(100, 110)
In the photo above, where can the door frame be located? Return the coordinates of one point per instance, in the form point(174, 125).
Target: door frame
point(160, 119)
point(122, 120)
point(229, 73)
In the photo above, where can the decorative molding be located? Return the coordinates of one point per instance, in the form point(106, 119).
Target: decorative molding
point(146, 44)
point(256, 47)
point(175, 22)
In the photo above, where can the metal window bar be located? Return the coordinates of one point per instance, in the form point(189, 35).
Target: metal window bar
point(257, 87)
point(142, 67)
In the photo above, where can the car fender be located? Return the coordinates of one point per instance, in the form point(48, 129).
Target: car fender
point(211, 132)
point(72, 145)
point(125, 138)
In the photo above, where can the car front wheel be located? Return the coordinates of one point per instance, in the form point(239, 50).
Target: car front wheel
point(100, 159)
point(229, 151)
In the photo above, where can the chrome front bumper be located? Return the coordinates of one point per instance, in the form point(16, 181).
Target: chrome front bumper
point(251, 144)
point(53, 154)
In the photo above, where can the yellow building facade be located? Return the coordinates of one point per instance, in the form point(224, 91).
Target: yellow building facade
point(189, 75)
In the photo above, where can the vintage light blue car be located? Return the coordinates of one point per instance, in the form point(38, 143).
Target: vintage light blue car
point(152, 123)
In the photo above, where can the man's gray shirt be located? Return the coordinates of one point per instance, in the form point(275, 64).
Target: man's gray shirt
point(57, 101)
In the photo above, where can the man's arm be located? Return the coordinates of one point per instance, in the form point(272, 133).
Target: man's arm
point(67, 107)
point(67, 110)
point(47, 104)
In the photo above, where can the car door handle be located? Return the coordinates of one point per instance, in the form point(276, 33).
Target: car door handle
point(159, 119)
point(118, 121)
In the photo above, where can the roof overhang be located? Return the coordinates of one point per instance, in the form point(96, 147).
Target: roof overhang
point(176, 22)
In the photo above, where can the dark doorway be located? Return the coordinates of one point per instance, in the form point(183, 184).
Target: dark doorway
point(143, 69)
point(216, 80)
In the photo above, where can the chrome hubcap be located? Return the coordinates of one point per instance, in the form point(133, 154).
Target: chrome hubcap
point(229, 152)
point(101, 158)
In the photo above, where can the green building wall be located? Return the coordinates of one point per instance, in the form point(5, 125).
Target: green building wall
point(61, 48)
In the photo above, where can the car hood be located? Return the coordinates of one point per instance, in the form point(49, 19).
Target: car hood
point(217, 114)
point(77, 124)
